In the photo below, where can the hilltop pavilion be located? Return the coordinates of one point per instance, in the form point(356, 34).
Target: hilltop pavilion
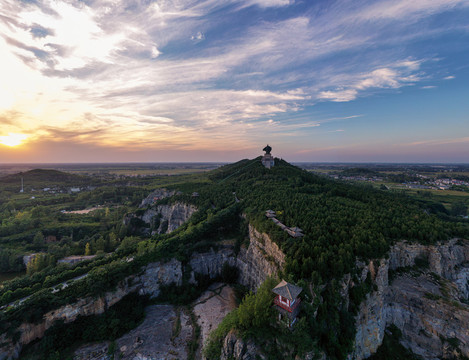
point(268, 159)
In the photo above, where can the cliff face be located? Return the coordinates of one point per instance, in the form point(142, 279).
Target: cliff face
point(68, 313)
point(427, 304)
point(167, 218)
point(156, 195)
point(154, 275)
point(262, 258)
point(236, 348)
point(424, 303)
point(175, 214)
point(157, 274)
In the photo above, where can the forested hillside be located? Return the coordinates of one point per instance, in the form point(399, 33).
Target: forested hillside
point(341, 223)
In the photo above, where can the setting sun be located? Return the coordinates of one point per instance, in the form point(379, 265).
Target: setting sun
point(13, 139)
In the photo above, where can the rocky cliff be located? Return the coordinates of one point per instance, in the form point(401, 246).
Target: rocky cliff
point(426, 300)
point(153, 276)
point(167, 218)
point(423, 290)
point(236, 348)
point(260, 259)
point(175, 214)
point(68, 313)
point(157, 195)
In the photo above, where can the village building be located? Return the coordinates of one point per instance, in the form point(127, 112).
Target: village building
point(287, 302)
point(268, 160)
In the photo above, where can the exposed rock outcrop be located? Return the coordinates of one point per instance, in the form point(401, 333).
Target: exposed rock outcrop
point(371, 319)
point(157, 274)
point(259, 260)
point(433, 324)
point(175, 214)
point(154, 275)
point(423, 303)
point(210, 309)
point(68, 313)
point(211, 263)
point(156, 195)
point(167, 218)
point(158, 219)
point(236, 348)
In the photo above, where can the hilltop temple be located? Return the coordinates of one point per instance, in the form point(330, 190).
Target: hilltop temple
point(267, 159)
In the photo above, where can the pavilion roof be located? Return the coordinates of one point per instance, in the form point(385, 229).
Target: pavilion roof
point(287, 290)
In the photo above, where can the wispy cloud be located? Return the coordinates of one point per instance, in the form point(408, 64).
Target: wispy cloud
point(439, 142)
point(271, 3)
point(391, 77)
point(167, 73)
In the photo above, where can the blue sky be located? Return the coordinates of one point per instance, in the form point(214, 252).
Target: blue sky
point(186, 80)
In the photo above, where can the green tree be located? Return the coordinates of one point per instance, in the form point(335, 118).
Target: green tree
point(38, 240)
point(459, 208)
point(87, 249)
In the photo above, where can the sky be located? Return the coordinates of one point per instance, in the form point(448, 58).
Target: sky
point(216, 80)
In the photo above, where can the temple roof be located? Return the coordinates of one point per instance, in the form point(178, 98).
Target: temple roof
point(287, 290)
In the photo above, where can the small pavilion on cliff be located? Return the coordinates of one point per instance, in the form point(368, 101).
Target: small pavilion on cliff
point(287, 302)
point(268, 159)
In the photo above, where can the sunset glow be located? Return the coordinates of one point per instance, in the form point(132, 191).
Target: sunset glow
point(326, 80)
point(13, 139)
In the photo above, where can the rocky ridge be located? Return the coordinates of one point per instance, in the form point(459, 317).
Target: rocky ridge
point(236, 348)
point(261, 259)
point(252, 263)
point(166, 218)
point(427, 303)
